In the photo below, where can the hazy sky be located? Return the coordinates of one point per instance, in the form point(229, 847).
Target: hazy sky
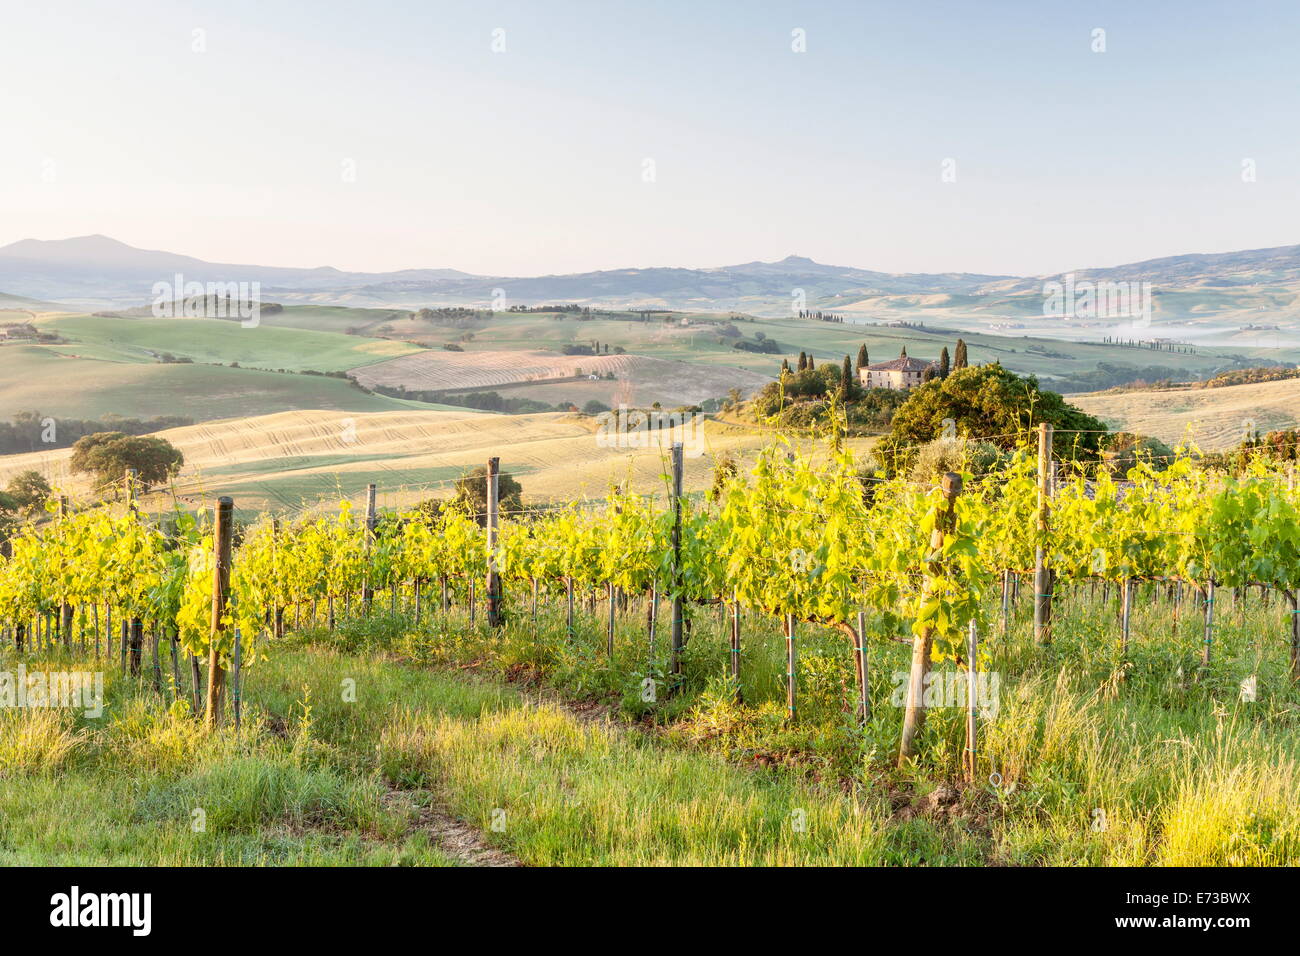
point(534, 160)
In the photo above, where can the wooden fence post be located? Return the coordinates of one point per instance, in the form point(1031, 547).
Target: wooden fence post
point(220, 594)
point(914, 717)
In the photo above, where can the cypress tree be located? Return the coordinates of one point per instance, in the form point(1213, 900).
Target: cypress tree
point(803, 362)
point(862, 356)
point(846, 378)
point(945, 366)
point(811, 364)
point(959, 360)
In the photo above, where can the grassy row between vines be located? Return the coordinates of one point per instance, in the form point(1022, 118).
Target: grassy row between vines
point(1183, 771)
point(1094, 757)
point(313, 779)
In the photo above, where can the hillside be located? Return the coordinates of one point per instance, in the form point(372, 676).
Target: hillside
point(294, 459)
point(1215, 418)
point(555, 378)
point(64, 384)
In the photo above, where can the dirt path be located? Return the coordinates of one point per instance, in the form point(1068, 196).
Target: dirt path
point(456, 838)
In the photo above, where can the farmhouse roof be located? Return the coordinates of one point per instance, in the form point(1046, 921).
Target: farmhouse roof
point(904, 364)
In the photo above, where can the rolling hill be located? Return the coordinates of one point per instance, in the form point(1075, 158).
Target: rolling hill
point(291, 460)
point(1213, 418)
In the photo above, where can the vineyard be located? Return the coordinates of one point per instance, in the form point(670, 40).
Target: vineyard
point(821, 546)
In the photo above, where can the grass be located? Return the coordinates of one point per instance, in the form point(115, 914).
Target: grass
point(331, 318)
point(210, 341)
point(148, 787)
point(351, 737)
point(289, 459)
point(1092, 758)
point(1215, 418)
point(311, 777)
point(44, 379)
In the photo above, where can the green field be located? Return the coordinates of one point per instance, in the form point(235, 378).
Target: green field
point(110, 365)
point(43, 379)
point(329, 318)
point(211, 341)
point(1059, 364)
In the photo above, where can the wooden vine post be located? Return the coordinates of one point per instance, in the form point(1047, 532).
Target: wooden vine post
point(1294, 595)
point(864, 684)
point(1209, 623)
point(1042, 575)
point(735, 644)
point(676, 667)
point(790, 668)
point(65, 609)
point(236, 676)
point(611, 592)
point(651, 618)
point(495, 618)
point(609, 623)
point(136, 645)
point(133, 630)
point(1126, 613)
point(914, 716)
point(568, 606)
point(1006, 595)
point(972, 698)
point(368, 592)
point(277, 622)
point(220, 595)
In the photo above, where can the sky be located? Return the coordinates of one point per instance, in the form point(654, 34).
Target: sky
point(552, 137)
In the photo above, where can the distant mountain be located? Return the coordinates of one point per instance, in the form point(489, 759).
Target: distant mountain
point(101, 271)
point(1279, 264)
point(98, 271)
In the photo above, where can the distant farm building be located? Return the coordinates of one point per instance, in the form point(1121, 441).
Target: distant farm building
point(901, 373)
